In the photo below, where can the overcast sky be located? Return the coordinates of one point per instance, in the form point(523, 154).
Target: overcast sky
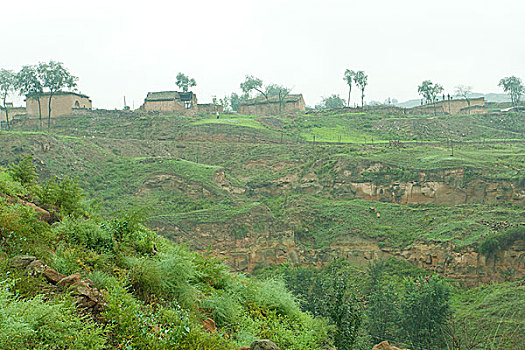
point(127, 48)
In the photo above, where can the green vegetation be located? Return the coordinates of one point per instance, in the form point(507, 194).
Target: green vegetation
point(157, 293)
point(259, 186)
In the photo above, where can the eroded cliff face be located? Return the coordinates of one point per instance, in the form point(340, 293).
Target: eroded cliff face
point(462, 264)
point(379, 182)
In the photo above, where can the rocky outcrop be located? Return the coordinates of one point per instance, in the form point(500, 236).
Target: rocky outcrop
point(220, 179)
point(384, 345)
point(88, 298)
point(435, 192)
point(263, 344)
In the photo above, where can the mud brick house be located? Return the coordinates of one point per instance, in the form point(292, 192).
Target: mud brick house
point(170, 101)
point(62, 104)
point(273, 106)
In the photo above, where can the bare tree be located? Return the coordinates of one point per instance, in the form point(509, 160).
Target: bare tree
point(464, 91)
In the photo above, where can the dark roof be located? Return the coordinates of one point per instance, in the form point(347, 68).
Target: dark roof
point(260, 100)
point(63, 93)
point(169, 96)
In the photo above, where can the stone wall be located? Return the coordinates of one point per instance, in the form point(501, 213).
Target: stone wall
point(477, 106)
point(163, 106)
point(61, 105)
point(209, 108)
point(272, 107)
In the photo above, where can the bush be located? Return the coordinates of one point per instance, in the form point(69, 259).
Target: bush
point(24, 171)
point(501, 241)
point(35, 324)
point(85, 232)
point(66, 195)
point(10, 186)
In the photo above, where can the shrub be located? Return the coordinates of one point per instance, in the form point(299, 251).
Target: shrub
point(9, 186)
point(24, 171)
point(35, 324)
point(65, 194)
point(86, 233)
point(501, 241)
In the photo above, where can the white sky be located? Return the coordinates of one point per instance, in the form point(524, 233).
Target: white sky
point(128, 48)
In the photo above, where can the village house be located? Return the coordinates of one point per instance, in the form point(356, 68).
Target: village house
point(272, 105)
point(62, 104)
point(12, 112)
point(453, 107)
point(176, 101)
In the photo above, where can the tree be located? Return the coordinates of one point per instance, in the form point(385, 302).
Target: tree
point(464, 91)
point(331, 102)
point(7, 84)
point(184, 82)
point(278, 91)
point(425, 311)
point(361, 80)
point(272, 90)
point(349, 77)
point(429, 91)
point(514, 87)
point(236, 100)
point(252, 83)
point(55, 77)
point(29, 84)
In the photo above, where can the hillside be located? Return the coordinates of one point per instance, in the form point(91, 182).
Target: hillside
point(443, 194)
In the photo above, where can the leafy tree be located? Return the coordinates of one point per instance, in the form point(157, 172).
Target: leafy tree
point(330, 102)
point(464, 91)
point(348, 77)
point(382, 305)
point(514, 87)
point(29, 84)
point(425, 311)
point(7, 84)
point(252, 83)
point(236, 100)
point(361, 80)
point(280, 92)
point(429, 91)
point(184, 82)
point(55, 77)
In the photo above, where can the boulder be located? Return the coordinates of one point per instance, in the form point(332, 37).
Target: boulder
point(36, 268)
point(70, 280)
point(21, 261)
point(52, 275)
point(263, 344)
point(209, 325)
point(384, 345)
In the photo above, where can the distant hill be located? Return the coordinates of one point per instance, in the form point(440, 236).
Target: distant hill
point(491, 97)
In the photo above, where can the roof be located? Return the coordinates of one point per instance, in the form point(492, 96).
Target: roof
point(169, 96)
point(63, 93)
point(260, 100)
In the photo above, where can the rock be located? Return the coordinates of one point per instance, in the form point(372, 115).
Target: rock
point(385, 346)
point(36, 268)
point(263, 344)
point(53, 275)
point(70, 280)
point(21, 261)
point(209, 325)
